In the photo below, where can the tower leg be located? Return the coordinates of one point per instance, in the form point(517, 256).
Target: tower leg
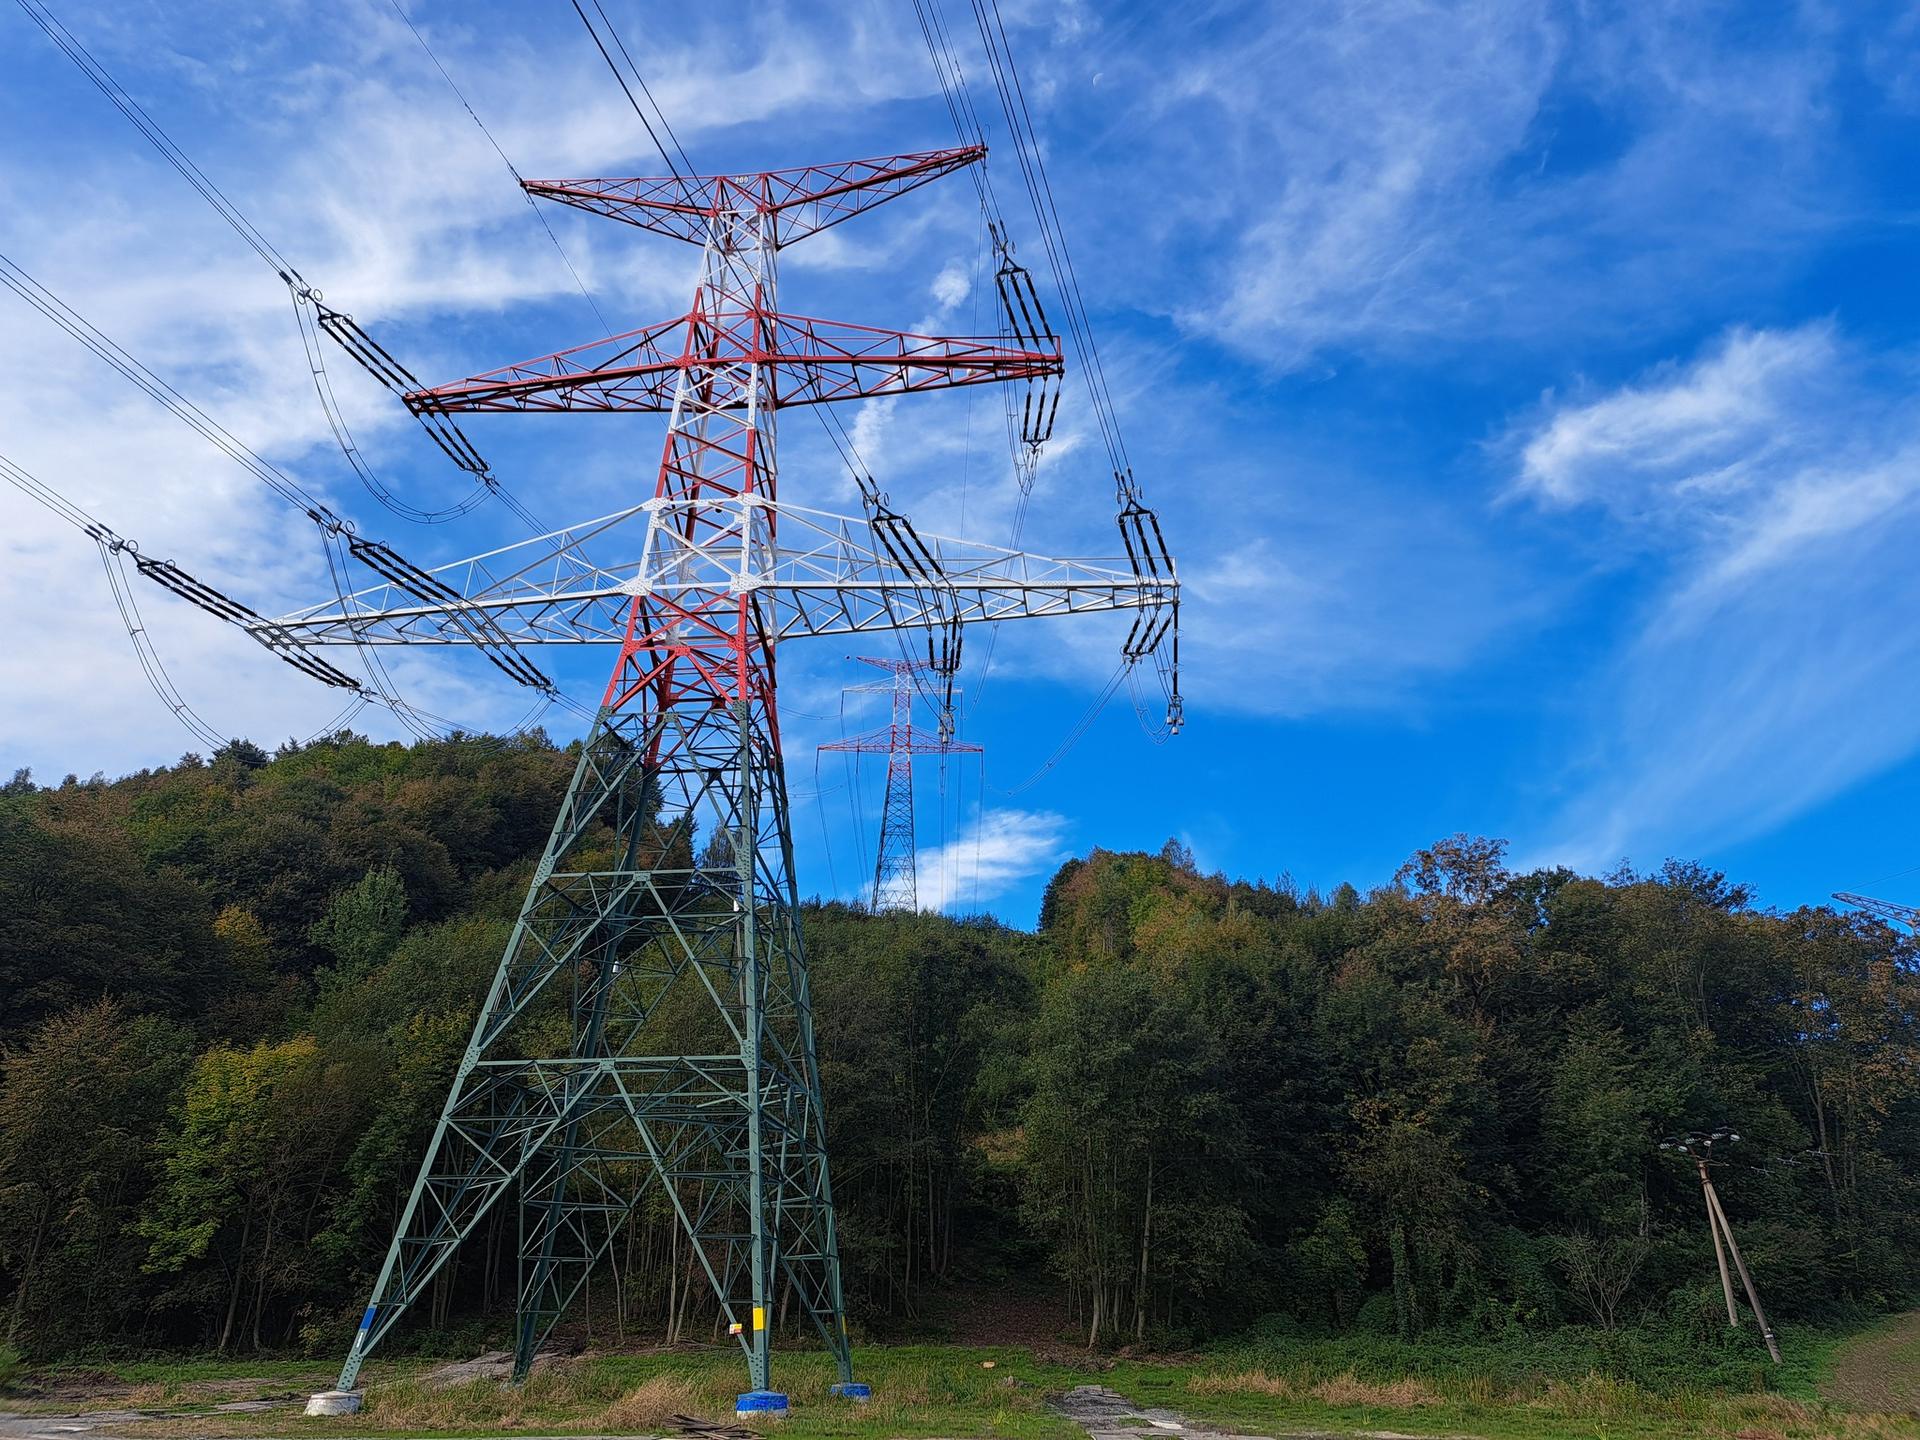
point(500, 1109)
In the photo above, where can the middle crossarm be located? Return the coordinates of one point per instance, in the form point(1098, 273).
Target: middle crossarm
point(827, 575)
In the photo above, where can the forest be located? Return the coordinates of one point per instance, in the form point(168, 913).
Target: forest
point(233, 990)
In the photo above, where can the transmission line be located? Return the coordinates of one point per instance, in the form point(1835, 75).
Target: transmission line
point(1153, 636)
point(114, 550)
point(518, 179)
point(332, 526)
point(160, 140)
point(312, 315)
point(106, 349)
point(645, 120)
point(336, 534)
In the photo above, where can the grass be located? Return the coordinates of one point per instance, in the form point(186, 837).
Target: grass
point(154, 1384)
point(1259, 1402)
point(918, 1391)
point(1539, 1388)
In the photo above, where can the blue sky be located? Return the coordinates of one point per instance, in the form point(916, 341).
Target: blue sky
point(1525, 389)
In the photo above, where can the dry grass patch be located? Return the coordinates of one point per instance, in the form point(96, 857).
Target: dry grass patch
point(1598, 1400)
point(652, 1404)
point(1349, 1389)
point(1478, 1390)
point(410, 1405)
point(1775, 1417)
point(1596, 1397)
point(1245, 1382)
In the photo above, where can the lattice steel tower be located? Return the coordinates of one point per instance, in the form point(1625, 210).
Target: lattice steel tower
point(670, 868)
point(895, 881)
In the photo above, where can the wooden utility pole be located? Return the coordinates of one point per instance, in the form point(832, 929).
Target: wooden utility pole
point(1719, 1250)
point(1698, 1146)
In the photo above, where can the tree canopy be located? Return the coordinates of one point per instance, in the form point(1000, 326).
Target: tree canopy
point(233, 990)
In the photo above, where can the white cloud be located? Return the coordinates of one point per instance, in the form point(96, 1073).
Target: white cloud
point(1319, 178)
point(1775, 480)
point(1685, 437)
point(1390, 115)
point(1000, 849)
point(952, 285)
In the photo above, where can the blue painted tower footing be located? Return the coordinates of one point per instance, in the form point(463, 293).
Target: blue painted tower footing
point(855, 1390)
point(760, 1405)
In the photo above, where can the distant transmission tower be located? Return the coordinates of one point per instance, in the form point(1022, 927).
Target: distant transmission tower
point(671, 863)
point(1890, 911)
point(895, 886)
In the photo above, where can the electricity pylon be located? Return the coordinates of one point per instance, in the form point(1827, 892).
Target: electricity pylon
point(582, 1100)
point(895, 881)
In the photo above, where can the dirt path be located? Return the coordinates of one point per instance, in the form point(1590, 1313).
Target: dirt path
point(106, 1424)
point(1881, 1369)
point(1106, 1415)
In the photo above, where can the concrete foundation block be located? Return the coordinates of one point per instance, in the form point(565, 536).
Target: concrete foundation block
point(334, 1402)
point(760, 1405)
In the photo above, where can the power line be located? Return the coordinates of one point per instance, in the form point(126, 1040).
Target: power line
point(1080, 728)
point(626, 89)
point(518, 178)
point(105, 348)
point(114, 550)
point(311, 317)
point(331, 526)
point(161, 141)
point(1055, 233)
point(439, 429)
point(665, 124)
point(1154, 637)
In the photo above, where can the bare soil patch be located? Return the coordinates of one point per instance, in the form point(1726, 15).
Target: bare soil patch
point(1880, 1370)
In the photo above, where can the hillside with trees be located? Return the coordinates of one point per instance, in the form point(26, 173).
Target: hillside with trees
point(232, 992)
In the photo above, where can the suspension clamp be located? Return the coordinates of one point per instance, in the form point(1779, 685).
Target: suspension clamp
point(101, 535)
point(329, 522)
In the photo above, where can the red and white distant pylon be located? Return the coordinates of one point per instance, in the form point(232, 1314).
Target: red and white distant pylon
point(895, 874)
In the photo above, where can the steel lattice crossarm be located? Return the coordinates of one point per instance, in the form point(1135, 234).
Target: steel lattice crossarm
point(906, 741)
point(798, 201)
point(823, 574)
point(808, 361)
point(1888, 910)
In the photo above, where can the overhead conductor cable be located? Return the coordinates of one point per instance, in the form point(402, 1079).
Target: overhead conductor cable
point(306, 299)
